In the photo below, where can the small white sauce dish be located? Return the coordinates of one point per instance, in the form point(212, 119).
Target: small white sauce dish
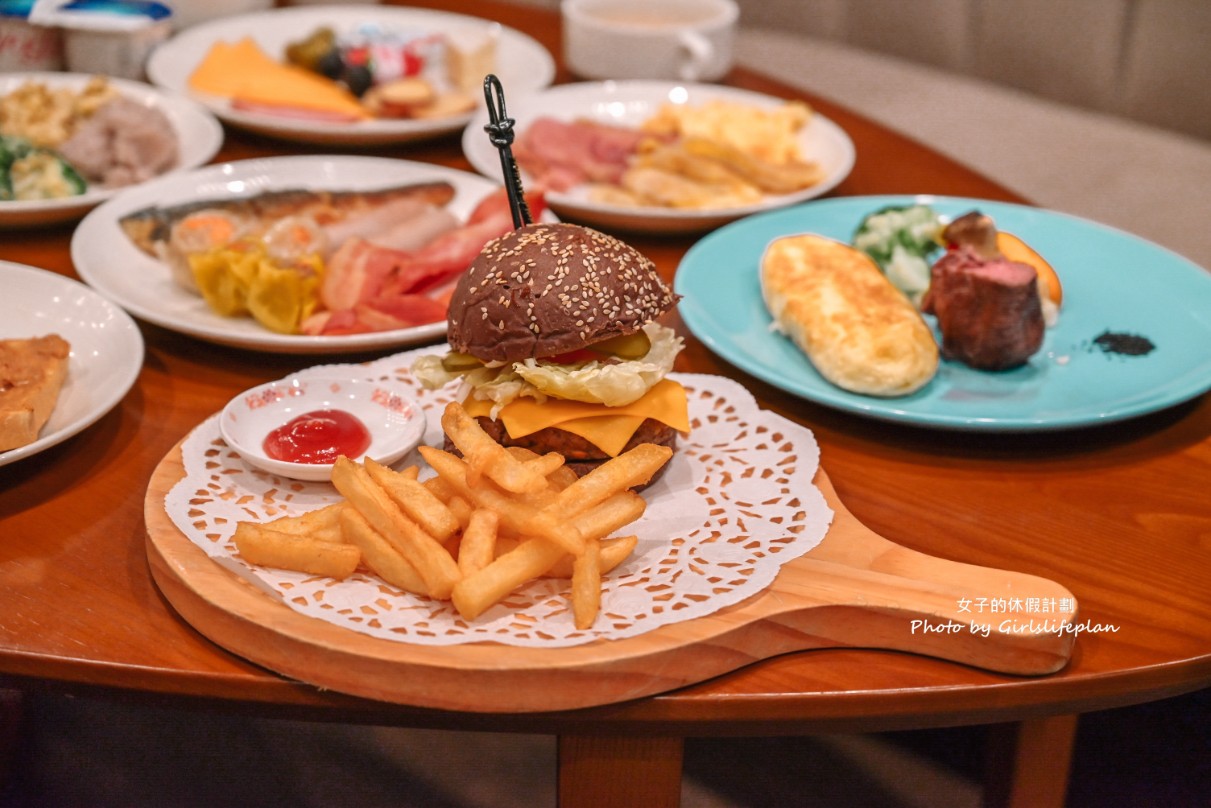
point(396, 422)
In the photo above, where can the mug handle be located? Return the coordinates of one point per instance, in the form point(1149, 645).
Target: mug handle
point(699, 51)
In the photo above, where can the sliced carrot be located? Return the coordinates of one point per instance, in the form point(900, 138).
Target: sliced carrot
point(1015, 249)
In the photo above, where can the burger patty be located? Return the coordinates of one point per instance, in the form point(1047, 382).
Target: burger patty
point(579, 454)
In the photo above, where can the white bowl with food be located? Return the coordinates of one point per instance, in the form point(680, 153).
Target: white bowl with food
point(72, 141)
point(297, 427)
point(665, 157)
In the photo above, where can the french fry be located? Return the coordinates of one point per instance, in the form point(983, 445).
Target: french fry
point(785, 178)
point(440, 488)
point(613, 552)
point(561, 478)
point(547, 464)
point(486, 456)
point(550, 465)
point(633, 467)
point(605, 517)
point(505, 543)
point(586, 585)
point(379, 555)
point(517, 517)
point(478, 546)
point(425, 553)
point(417, 501)
point(264, 546)
point(322, 524)
point(461, 509)
point(479, 591)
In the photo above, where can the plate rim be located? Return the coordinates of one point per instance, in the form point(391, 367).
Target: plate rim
point(124, 381)
point(886, 409)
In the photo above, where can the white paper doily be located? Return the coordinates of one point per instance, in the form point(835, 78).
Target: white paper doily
point(736, 503)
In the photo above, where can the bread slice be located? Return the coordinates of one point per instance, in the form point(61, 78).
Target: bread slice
point(32, 372)
point(859, 331)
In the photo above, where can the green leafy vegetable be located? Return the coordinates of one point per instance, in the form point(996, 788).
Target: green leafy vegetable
point(902, 239)
point(33, 172)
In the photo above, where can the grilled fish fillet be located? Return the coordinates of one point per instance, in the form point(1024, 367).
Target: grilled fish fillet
point(32, 372)
point(151, 226)
point(859, 331)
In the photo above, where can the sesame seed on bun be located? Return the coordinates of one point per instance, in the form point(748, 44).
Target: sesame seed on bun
point(549, 288)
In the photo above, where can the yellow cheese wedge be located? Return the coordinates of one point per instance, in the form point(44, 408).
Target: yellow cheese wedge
point(607, 428)
point(245, 73)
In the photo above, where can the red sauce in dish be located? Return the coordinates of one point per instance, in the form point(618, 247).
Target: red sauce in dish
point(320, 436)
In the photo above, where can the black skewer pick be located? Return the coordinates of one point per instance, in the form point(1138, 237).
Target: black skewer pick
point(500, 132)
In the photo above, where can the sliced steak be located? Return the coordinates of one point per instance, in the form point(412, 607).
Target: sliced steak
point(988, 309)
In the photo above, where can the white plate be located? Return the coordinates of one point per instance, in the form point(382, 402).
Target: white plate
point(199, 137)
point(107, 260)
point(395, 422)
point(521, 63)
point(629, 103)
point(106, 347)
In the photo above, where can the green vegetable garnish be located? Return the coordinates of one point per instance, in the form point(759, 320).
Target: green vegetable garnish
point(901, 239)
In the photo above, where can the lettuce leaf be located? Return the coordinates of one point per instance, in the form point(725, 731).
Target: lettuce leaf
point(612, 384)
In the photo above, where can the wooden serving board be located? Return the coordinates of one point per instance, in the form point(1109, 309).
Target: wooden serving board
point(855, 589)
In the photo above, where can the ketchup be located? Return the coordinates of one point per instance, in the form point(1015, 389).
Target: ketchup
point(320, 436)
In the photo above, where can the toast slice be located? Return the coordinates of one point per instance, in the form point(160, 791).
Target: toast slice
point(32, 372)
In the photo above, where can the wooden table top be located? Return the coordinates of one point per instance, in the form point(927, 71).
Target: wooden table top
point(1117, 514)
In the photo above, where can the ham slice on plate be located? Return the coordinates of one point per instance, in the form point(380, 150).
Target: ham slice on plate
point(560, 154)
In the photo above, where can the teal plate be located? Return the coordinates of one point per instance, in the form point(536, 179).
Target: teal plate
point(1113, 282)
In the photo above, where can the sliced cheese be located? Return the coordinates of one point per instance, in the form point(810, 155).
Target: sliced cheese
point(607, 428)
point(246, 74)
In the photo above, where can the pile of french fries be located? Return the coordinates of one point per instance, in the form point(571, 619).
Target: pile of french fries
point(489, 522)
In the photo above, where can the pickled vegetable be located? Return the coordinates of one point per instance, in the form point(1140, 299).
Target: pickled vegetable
point(627, 346)
point(309, 53)
point(33, 172)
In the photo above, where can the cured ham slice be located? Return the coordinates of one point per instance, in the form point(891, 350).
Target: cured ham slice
point(560, 154)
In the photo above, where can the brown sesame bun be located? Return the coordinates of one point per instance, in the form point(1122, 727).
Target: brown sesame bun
point(547, 289)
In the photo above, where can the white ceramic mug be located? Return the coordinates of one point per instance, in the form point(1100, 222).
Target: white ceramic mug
point(687, 40)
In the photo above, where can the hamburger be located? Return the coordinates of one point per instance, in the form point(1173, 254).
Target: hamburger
point(553, 332)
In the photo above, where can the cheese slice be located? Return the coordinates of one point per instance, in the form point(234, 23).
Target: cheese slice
point(246, 74)
point(607, 428)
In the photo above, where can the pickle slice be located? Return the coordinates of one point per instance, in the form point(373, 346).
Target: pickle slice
point(625, 346)
point(455, 362)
